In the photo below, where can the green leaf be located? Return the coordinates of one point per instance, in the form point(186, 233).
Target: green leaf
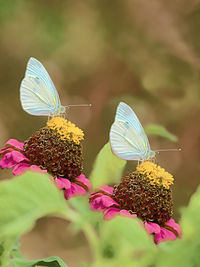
point(184, 252)
point(129, 229)
point(25, 199)
point(124, 242)
point(190, 220)
point(107, 168)
point(155, 129)
point(50, 262)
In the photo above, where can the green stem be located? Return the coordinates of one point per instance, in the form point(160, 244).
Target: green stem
point(71, 215)
point(88, 230)
point(92, 238)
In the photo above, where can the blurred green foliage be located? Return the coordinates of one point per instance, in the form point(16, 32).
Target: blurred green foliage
point(26, 197)
point(23, 201)
point(120, 241)
point(19, 261)
point(108, 168)
point(155, 129)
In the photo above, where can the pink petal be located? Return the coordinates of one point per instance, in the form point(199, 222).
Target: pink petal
point(20, 168)
point(11, 158)
point(107, 189)
point(102, 202)
point(15, 143)
point(75, 190)
point(152, 228)
point(95, 195)
point(175, 226)
point(84, 181)
point(111, 213)
point(5, 150)
point(23, 167)
point(164, 235)
point(18, 157)
point(63, 183)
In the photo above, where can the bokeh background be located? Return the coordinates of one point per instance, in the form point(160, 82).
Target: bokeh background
point(145, 53)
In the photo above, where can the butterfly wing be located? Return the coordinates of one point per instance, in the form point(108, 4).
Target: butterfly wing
point(36, 98)
point(127, 137)
point(38, 94)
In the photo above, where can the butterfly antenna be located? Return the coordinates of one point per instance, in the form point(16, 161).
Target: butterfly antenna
point(169, 149)
point(79, 105)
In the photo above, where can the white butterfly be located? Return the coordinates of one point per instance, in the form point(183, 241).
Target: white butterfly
point(38, 94)
point(127, 137)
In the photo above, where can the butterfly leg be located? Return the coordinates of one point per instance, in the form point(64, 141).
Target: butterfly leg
point(62, 115)
point(140, 160)
point(51, 116)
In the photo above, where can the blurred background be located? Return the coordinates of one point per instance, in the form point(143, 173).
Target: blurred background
point(145, 53)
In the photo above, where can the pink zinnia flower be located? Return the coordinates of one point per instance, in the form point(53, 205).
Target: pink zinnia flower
point(139, 195)
point(54, 149)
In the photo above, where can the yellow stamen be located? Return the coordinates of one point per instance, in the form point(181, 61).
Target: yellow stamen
point(156, 174)
point(66, 129)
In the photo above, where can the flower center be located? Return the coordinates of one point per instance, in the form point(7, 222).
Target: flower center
point(146, 192)
point(66, 129)
point(156, 174)
point(61, 158)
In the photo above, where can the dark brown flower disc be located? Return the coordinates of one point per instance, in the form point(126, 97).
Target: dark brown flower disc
point(151, 202)
point(51, 151)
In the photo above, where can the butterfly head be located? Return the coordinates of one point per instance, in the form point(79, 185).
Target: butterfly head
point(62, 109)
point(61, 112)
point(151, 155)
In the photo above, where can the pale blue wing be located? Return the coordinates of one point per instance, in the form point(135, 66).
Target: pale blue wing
point(36, 69)
point(38, 94)
point(126, 114)
point(126, 143)
point(36, 98)
point(127, 137)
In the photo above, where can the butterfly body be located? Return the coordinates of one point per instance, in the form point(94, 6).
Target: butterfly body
point(38, 94)
point(127, 137)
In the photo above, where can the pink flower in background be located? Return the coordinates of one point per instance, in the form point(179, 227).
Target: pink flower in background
point(103, 201)
point(12, 157)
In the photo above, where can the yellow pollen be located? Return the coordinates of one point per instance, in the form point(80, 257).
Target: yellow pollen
point(156, 174)
point(66, 129)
